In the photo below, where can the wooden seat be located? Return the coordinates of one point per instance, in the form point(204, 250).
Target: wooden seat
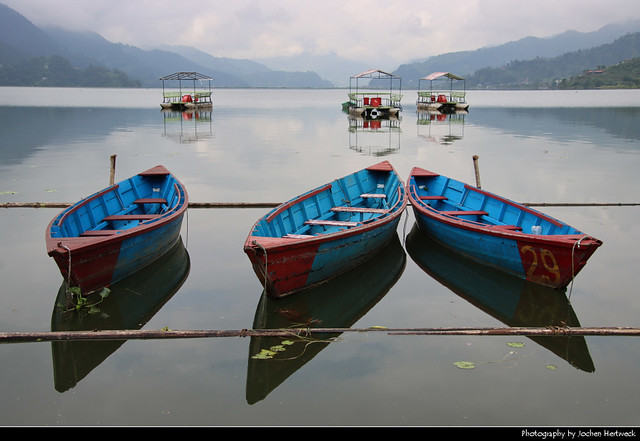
point(125, 217)
point(298, 236)
point(331, 223)
point(150, 201)
point(507, 227)
point(373, 195)
point(433, 198)
point(93, 233)
point(464, 213)
point(359, 210)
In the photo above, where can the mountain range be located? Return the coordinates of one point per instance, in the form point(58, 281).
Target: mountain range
point(20, 40)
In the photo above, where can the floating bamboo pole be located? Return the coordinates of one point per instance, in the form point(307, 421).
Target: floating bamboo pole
point(551, 331)
point(275, 204)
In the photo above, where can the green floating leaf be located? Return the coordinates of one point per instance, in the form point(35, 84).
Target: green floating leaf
point(551, 367)
point(287, 342)
point(7, 192)
point(465, 364)
point(264, 354)
point(516, 344)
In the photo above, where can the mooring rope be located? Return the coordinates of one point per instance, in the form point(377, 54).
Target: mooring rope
point(68, 264)
point(573, 272)
point(266, 272)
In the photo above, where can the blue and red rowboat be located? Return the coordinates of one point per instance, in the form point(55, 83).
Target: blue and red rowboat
point(326, 231)
point(118, 230)
point(498, 232)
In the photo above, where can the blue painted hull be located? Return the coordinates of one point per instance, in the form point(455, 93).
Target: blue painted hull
point(119, 230)
point(498, 232)
point(326, 231)
point(140, 250)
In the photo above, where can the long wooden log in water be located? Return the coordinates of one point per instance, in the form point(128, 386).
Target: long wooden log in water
point(553, 331)
point(275, 204)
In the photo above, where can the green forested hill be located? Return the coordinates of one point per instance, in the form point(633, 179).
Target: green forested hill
point(625, 75)
point(57, 71)
point(549, 73)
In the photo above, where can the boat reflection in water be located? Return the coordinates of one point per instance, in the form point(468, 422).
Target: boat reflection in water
point(375, 136)
point(338, 303)
point(441, 128)
point(513, 301)
point(186, 126)
point(131, 303)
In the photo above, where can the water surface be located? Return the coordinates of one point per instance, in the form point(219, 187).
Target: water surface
point(270, 145)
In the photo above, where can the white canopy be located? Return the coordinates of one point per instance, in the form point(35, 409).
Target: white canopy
point(437, 75)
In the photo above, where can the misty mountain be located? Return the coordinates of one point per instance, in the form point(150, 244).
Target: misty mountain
point(544, 73)
point(465, 63)
point(335, 69)
point(20, 39)
point(147, 66)
point(253, 72)
point(230, 65)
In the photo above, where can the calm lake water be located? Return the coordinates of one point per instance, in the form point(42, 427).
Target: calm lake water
point(270, 145)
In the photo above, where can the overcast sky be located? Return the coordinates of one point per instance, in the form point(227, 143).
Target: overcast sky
point(381, 32)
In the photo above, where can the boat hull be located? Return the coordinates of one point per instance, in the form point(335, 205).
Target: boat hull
point(543, 258)
point(447, 107)
point(374, 112)
point(285, 269)
point(286, 265)
point(92, 262)
point(97, 264)
point(178, 105)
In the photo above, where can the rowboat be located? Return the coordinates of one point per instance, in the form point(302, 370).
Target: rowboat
point(326, 231)
point(498, 232)
point(118, 230)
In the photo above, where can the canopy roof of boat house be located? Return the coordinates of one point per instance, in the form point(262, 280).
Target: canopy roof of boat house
point(186, 76)
point(442, 76)
point(374, 75)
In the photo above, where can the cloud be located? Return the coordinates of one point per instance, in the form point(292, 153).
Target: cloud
point(374, 31)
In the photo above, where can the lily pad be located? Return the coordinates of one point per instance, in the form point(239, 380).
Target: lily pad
point(465, 364)
point(264, 354)
point(516, 344)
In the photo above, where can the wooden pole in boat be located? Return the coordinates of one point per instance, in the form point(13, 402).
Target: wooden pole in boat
point(549, 331)
point(477, 170)
point(112, 170)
